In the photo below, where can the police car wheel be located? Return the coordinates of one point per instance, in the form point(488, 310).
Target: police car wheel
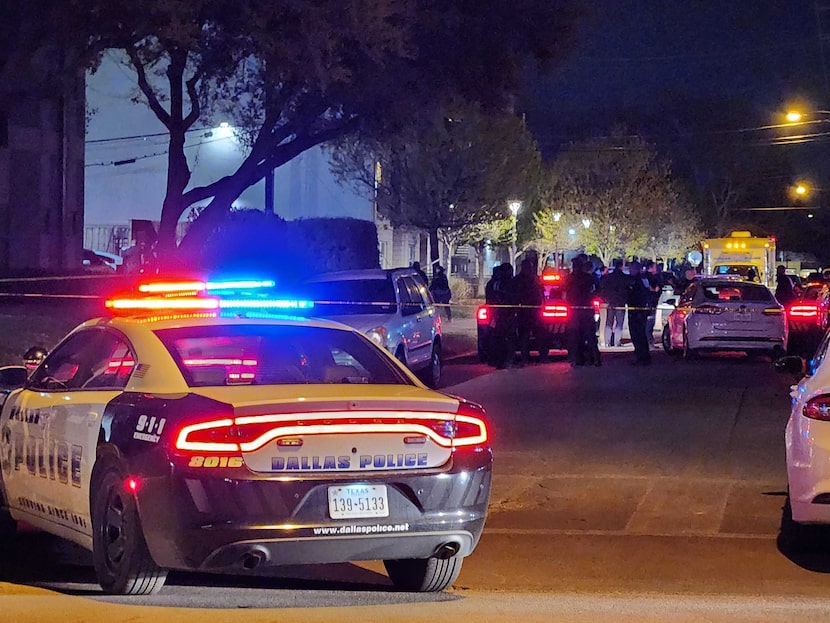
point(122, 561)
point(423, 575)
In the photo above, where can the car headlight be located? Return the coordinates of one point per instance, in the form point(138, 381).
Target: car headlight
point(378, 336)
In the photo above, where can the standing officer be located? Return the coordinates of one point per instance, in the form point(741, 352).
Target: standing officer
point(638, 310)
point(614, 289)
point(579, 291)
point(528, 295)
point(498, 293)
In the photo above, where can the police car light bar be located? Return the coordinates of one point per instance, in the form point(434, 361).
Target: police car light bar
point(180, 287)
point(155, 303)
point(242, 284)
point(184, 295)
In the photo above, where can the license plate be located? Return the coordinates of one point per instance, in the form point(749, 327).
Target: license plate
point(743, 317)
point(355, 501)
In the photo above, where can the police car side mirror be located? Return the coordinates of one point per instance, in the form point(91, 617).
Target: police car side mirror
point(789, 365)
point(12, 377)
point(672, 302)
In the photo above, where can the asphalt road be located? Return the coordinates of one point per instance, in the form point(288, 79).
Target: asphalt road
point(621, 493)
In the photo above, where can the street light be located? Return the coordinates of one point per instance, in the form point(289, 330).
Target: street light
point(514, 206)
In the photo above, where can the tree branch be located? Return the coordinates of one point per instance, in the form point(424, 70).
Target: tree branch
point(144, 85)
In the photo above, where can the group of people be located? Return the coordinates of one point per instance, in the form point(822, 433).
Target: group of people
point(515, 302)
point(638, 292)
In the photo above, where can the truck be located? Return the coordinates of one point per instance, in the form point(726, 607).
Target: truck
point(741, 253)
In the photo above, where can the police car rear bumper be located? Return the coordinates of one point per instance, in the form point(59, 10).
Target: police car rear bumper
point(209, 522)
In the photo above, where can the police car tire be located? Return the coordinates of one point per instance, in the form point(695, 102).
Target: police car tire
point(423, 575)
point(123, 564)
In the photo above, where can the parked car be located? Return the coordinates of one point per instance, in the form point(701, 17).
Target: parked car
point(97, 264)
point(723, 314)
point(392, 307)
point(807, 446)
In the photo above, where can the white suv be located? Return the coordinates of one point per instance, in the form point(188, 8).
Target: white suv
point(393, 307)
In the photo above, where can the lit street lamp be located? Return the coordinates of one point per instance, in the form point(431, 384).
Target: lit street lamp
point(514, 206)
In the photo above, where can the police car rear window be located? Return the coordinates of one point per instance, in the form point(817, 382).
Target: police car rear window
point(736, 292)
point(276, 355)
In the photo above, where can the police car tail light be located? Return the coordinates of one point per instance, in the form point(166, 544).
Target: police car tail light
point(555, 311)
point(483, 314)
point(210, 436)
point(467, 429)
point(818, 408)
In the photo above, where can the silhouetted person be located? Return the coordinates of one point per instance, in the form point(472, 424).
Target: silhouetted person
point(416, 266)
point(528, 295)
point(498, 293)
point(614, 290)
point(580, 287)
point(784, 290)
point(638, 310)
point(440, 288)
point(655, 288)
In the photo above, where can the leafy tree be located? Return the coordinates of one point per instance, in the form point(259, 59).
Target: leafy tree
point(448, 171)
point(293, 75)
point(620, 186)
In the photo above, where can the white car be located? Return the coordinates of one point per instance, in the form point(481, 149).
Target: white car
point(807, 442)
point(393, 307)
point(201, 432)
point(723, 314)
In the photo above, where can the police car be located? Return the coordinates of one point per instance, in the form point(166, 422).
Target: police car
point(198, 431)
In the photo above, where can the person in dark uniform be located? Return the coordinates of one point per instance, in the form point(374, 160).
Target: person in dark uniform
point(528, 295)
point(614, 290)
point(416, 266)
point(638, 310)
point(498, 293)
point(580, 288)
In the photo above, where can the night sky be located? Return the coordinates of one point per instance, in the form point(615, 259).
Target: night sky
point(634, 59)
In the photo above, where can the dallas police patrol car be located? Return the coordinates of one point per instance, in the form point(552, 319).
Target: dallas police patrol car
point(191, 430)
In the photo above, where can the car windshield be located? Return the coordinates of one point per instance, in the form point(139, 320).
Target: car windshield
point(735, 269)
point(744, 292)
point(276, 355)
point(352, 296)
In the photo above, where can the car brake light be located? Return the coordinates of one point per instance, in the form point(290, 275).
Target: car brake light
point(483, 314)
point(817, 408)
point(251, 433)
point(555, 311)
point(551, 277)
point(596, 304)
point(802, 310)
